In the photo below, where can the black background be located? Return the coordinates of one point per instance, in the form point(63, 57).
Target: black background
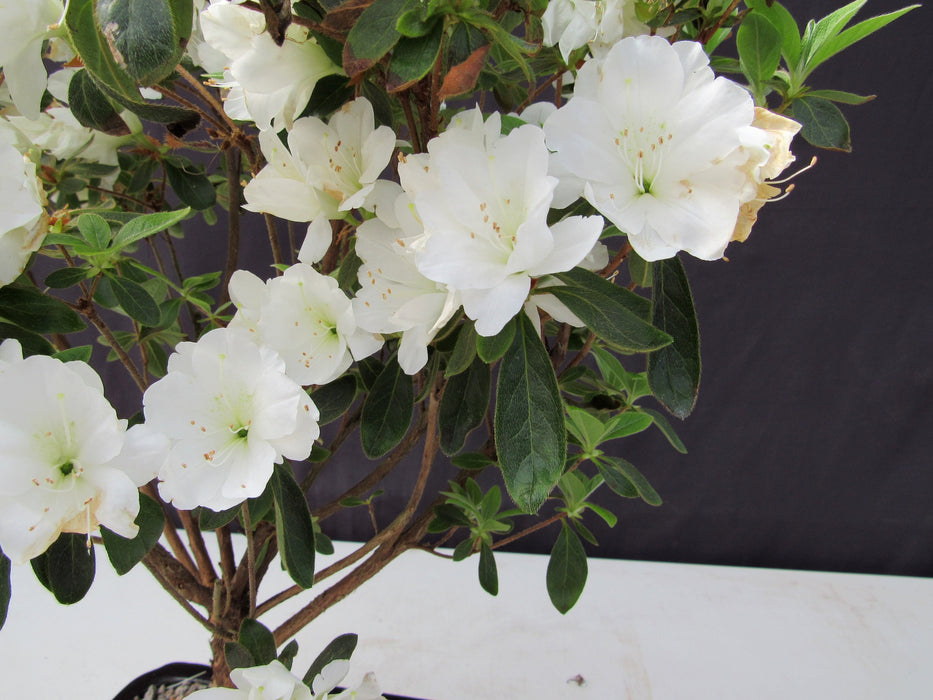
point(810, 444)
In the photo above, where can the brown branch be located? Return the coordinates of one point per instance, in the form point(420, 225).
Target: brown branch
point(227, 561)
point(180, 581)
point(168, 586)
point(274, 241)
point(208, 97)
point(206, 573)
point(410, 120)
point(88, 311)
point(233, 222)
point(528, 530)
point(613, 264)
point(578, 358)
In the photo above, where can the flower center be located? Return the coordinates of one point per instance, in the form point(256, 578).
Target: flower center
point(66, 468)
point(643, 153)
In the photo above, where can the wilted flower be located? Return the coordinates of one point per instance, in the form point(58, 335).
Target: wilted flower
point(231, 412)
point(67, 464)
point(658, 142)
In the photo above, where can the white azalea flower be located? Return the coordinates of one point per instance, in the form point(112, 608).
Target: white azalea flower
point(326, 169)
point(305, 317)
point(231, 413)
point(570, 24)
point(658, 142)
point(483, 200)
point(23, 28)
point(270, 682)
point(395, 297)
point(23, 221)
point(67, 464)
point(276, 81)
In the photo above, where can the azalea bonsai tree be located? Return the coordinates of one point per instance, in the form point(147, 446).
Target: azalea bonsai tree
point(485, 205)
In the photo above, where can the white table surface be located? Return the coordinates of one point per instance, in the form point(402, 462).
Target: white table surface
point(641, 630)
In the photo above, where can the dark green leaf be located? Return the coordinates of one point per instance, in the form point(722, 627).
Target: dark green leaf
point(147, 225)
point(295, 529)
point(287, 657)
point(66, 277)
point(90, 106)
point(410, 24)
point(471, 461)
point(464, 405)
point(39, 313)
point(135, 300)
point(464, 350)
point(463, 549)
point(260, 506)
point(784, 22)
point(6, 589)
point(823, 123)
point(192, 186)
point(323, 544)
point(491, 348)
point(238, 656)
point(341, 648)
point(211, 520)
point(412, 58)
point(258, 640)
point(623, 478)
point(529, 420)
point(81, 353)
point(370, 368)
point(373, 35)
point(759, 45)
point(68, 567)
point(95, 230)
point(488, 575)
point(32, 343)
point(146, 37)
point(387, 411)
point(125, 553)
point(613, 313)
point(639, 270)
point(674, 370)
point(665, 427)
point(566, 570)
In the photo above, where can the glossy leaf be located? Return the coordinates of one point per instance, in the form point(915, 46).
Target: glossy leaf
point(90, 106)
point(464, 405)
point(135, 300)
point(488, 574)
point(341, 648)
point(412, 58)
point(295, 529)
point(529, 420)
point(824, 125)
point(674, 370)
point(125, 553)
point(623, 478)
point(334, 399)
point(566, 570)
point(387, 410)
point(610, 311)
point(30, 308)
point(373, 34)
point(67, 567)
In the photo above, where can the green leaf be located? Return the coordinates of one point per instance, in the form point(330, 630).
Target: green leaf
point(374, 34)
point(566, 570)
point(211, 520)
point(823, 123)
point(335, 398)
point(624, 424)
point(287, 657)
point(665, 427)
point(639, 270)
point(6, 590)
point(66, 277)
point(759, 44)
point(491, 348)
point(471, 461)
point(411, 24)
point(95, 230)
point(464, 405)
point(463, 549)
point(238, 656)
point(191, 185)
point(32, 343)
point(341, 648)
point(464, 351)
point(67, 567)
point(146, 37)
point(81, 353)
point(674, 370)
point(488, 575)
point(785, 23)
point(623, 478)
point(30, 308)
point(90, 106)
point(146, 225)
point(613, 313)
point(125, 553)
point(412, 58)
point(833, 45)
point(529, 420)
point(387, 411)
point(842, 97)
point(295, 529)
point(258, 641)
point(135, 300)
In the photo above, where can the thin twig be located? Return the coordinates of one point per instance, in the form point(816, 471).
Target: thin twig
point(233, 221)
point(227, 561)
point(528, 530)
point(89, 312)
point(206, 573)
point(274, 241)
point(250, 558)
point(208, 96)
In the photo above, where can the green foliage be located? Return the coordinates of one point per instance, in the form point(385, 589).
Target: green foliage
point(67, 567)
point(294, 527)
point(387, 411)
point(125, 553)
point(464, 405)
point(340, 648)
point(566, 570)
point(334, 399)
